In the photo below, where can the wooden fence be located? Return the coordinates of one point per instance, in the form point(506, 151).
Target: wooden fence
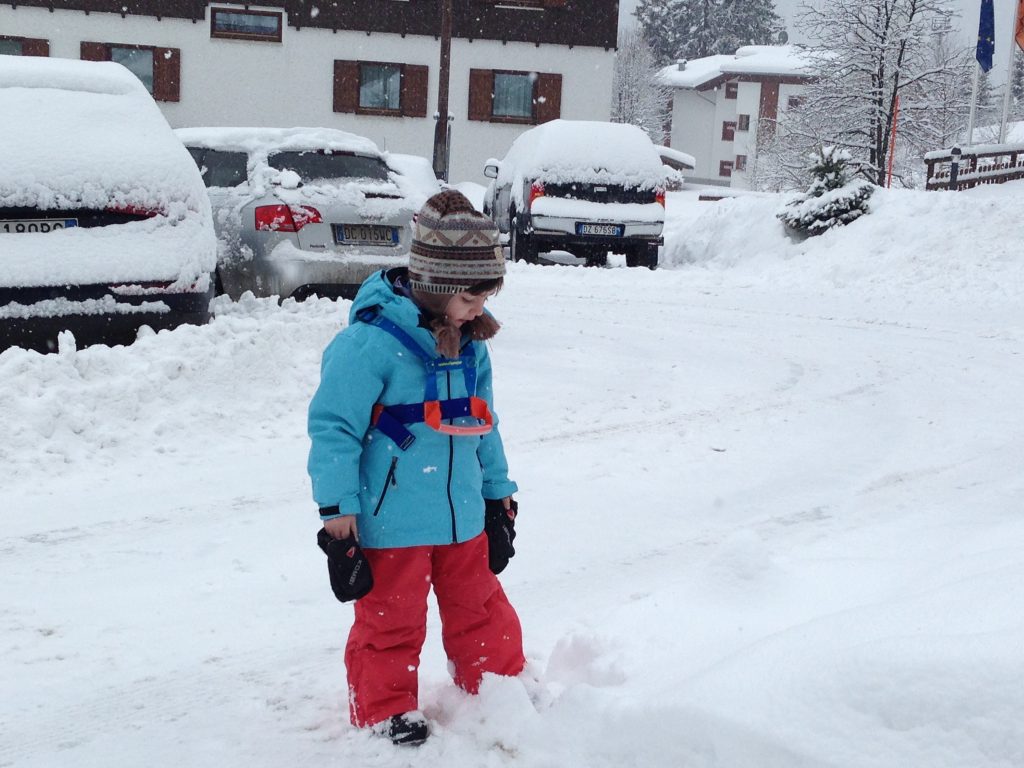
point(981, 164)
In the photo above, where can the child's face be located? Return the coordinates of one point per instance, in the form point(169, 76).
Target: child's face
point(465, 306)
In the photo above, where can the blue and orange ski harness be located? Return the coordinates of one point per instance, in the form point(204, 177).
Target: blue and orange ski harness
point(392, 419)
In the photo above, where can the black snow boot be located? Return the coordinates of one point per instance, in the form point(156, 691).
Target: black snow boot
point(408, 730)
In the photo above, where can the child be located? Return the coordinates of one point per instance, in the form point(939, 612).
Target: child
point(405, 451)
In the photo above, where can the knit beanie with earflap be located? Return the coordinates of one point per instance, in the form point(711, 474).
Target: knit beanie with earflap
point(454, 248)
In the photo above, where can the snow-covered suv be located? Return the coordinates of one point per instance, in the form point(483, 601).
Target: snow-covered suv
point(583, 187)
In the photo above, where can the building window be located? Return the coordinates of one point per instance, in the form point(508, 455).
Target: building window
point(741, 163)
point(380, 87)
point(231, 24)
point(23, 46)
point(158, 68)
point(728, 131)
point(794, 102)
point(385, 89)
point(731, 90)
point(529, 98)
point(743, 123)
point(138, 61)
point(725, 168)
point(513, 95)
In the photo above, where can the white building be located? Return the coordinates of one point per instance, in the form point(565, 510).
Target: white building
point(366, 66)
point(719, 103)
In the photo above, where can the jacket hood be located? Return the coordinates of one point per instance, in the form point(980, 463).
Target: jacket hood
point(378, 290)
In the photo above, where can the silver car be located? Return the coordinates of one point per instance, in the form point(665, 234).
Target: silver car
point(301, 211)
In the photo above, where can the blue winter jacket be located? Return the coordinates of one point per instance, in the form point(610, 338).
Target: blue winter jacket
point(431, 493)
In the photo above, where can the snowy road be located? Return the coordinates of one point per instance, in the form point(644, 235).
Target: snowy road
point(762, 525)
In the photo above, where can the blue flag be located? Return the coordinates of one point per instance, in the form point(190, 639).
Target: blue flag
point(986, 35)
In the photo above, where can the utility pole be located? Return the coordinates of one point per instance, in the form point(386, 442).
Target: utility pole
point(441, 133)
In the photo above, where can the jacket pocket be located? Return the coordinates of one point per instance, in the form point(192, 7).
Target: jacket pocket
point(388, 482)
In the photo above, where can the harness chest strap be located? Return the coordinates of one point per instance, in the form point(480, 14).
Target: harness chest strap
point(392, 419)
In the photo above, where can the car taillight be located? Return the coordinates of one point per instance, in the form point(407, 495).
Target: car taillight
point(659, 197)
point(536, 190)
point(134, 210)
point(285, 218)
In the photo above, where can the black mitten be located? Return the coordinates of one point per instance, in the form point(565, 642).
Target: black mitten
point(347, 565)
point(500, 525)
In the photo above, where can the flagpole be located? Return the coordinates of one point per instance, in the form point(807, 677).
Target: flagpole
point(974, 106)
point(1012, 48)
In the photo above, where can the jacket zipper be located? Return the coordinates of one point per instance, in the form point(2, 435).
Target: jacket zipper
point(388, 482)
point(451, 464)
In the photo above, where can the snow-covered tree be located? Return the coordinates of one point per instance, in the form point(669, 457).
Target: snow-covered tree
point(833, 199)
point(1017, 92)
point(691, 29)
point(638, 96)
point(876, 58)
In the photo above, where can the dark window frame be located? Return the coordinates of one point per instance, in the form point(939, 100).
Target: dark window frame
point(740, 164)
point(413, 97)
point(728, 130)
point(513, 119)
point(794, 102)
point(732, 89)
point(743, 122)
point(166, 69)
point(725, 168)
point(379, 111)
point(30, 46)
point(252, 37)
point(546, 97)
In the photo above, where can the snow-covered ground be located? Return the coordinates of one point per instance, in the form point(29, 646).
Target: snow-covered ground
point(771, 517)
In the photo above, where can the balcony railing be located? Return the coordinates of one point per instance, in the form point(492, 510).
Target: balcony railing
point(958, 168)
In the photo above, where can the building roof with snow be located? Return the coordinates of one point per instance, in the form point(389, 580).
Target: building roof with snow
point(751, 62)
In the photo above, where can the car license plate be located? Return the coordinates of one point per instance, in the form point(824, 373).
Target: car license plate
point(365, 234)
point(604, 230)
point(25, 226)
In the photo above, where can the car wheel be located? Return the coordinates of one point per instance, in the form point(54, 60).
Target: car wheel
point(646, 256)
point(598, 258)
point(521, 246)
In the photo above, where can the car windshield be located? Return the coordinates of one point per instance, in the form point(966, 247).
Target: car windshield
point(220, 169)
point(312, 166)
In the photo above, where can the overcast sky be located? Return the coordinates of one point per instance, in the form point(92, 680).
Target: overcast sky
point(969, 12)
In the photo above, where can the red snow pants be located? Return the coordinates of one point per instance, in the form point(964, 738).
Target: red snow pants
point(480, 630)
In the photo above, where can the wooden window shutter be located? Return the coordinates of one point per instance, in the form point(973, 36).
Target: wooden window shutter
point(167, 74)
point(94, 52)
point(414, 90)
point(346, 86)
point(548, 101)
point(33, 47)
point(481, 93)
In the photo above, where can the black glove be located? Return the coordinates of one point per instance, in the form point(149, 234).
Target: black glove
point(347, 566)
point(500, 525)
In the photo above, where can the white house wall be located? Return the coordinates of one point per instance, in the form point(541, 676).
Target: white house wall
point(748, 102)
point(697, 118)
point(232, 82)
point(693, 120)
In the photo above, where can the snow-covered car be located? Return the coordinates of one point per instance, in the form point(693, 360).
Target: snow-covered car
point(104, 222)
point(583, 187)
point(418, 172)
point(301, 211)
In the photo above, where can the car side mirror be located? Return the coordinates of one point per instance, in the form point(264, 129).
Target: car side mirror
point(491, 170)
